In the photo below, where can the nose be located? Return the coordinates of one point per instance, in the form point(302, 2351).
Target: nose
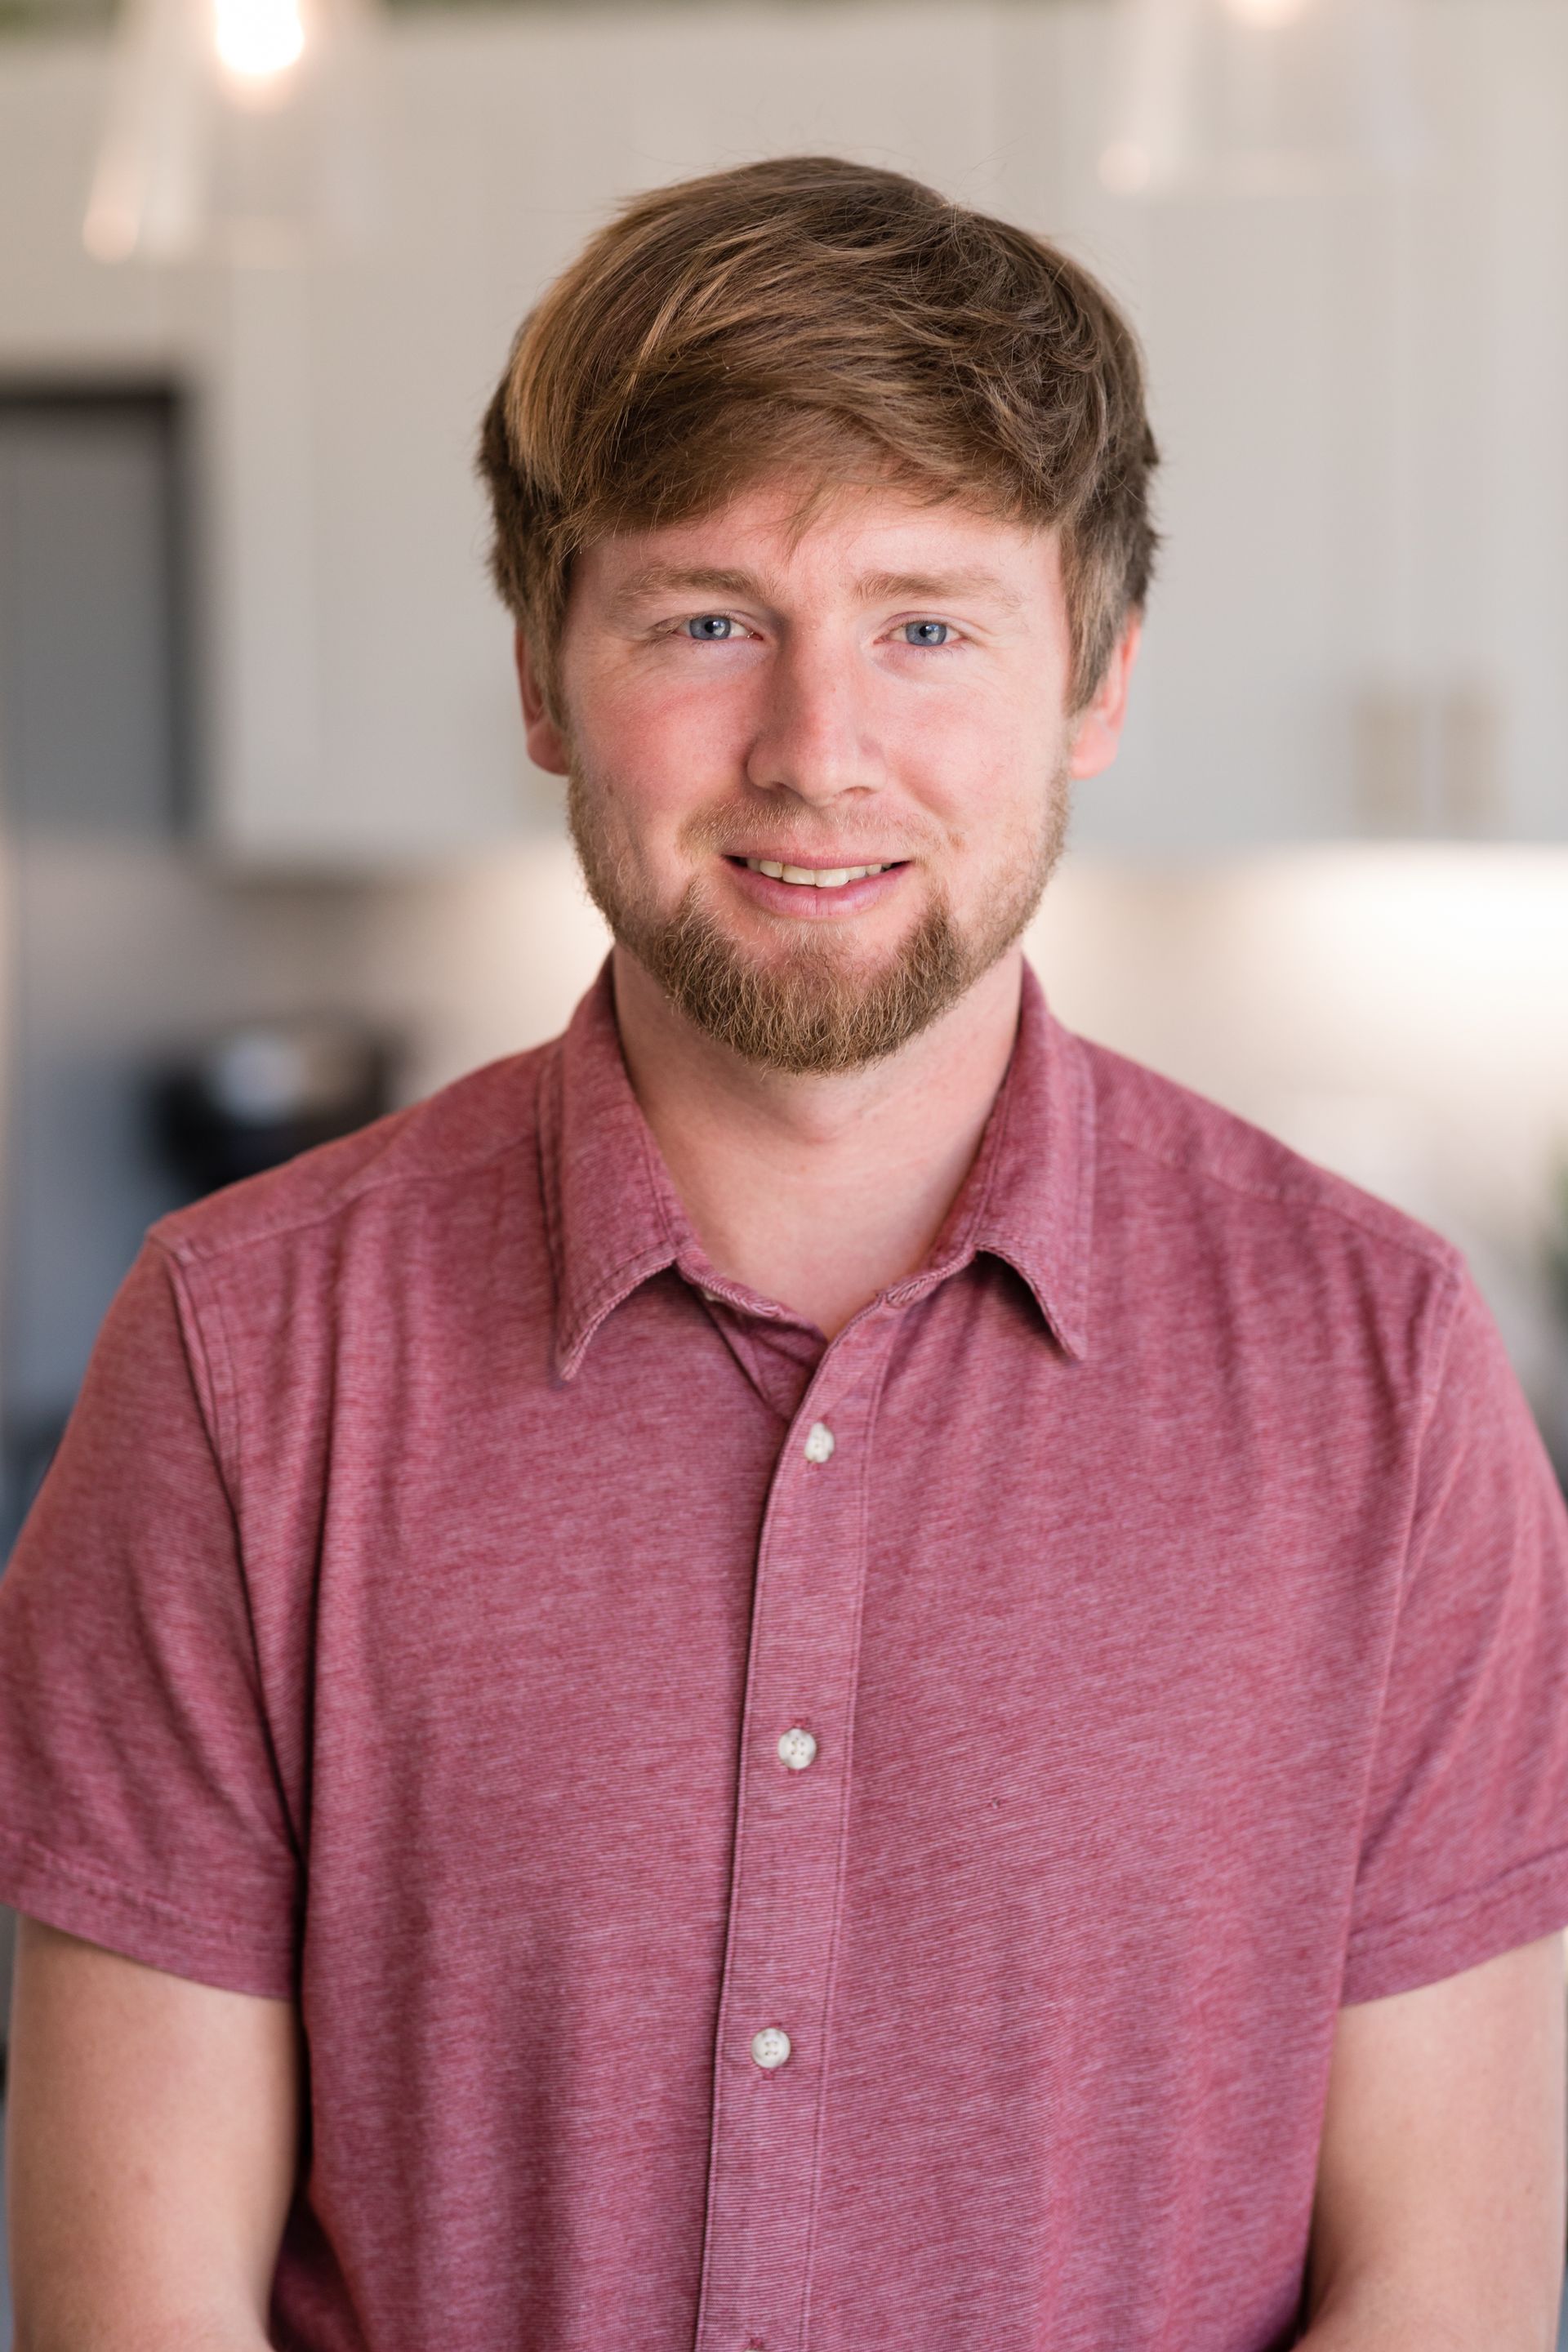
point(817, 737)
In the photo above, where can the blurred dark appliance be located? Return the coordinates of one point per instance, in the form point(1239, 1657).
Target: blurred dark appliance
point(257, 1094)
point(117, 922)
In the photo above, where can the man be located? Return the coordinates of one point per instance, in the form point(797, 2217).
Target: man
point(817, 1668)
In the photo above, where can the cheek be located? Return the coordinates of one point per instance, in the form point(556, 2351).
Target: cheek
point(657, 747)
point(978, 770)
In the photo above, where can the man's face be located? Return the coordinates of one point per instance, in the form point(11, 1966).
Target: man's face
point(884, 690)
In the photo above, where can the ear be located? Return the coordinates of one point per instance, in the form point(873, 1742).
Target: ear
point(546, 743)
point(1099, 730)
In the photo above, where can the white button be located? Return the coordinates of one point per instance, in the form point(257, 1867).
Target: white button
point(771, 2046)
point(797, 1749)
point(819, 1443)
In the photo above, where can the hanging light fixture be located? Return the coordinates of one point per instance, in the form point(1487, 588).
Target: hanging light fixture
point(1250, 95)
point(236, 127)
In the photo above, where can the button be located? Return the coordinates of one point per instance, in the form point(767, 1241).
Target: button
point(819, 1443)
point(769, 2048)
point(797, 1749)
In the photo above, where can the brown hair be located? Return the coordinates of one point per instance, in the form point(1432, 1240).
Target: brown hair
point(810, 310)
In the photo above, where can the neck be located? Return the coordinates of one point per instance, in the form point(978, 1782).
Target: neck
point(818, 1191)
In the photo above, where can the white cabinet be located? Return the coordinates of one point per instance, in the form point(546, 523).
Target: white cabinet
point(1363, 596)
point(367, 712)
point(1360, 396)
point(516, 137)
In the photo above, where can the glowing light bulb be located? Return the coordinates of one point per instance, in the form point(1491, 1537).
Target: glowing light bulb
point(257, 39)
point(1266, 12)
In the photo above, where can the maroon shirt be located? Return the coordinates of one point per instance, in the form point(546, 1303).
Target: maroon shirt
point(1168, 1575)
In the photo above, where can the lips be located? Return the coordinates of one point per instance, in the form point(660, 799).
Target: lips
point(822, 893)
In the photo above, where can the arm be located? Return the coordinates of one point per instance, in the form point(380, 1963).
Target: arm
point(151, 2148)
point(1439, 2219)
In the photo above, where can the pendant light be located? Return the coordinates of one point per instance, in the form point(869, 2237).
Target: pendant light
point(1249, 96)
point(236, 128)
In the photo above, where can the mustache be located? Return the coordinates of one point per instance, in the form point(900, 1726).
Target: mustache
point(743, 831)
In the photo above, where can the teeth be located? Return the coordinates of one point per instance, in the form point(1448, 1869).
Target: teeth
point(822, 877)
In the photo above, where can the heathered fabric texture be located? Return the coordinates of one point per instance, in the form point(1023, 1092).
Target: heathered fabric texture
point(411, 1618)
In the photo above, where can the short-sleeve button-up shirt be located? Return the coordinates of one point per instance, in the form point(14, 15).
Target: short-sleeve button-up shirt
point(785, 1845)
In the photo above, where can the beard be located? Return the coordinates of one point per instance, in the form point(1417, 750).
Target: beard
point(814, 1007)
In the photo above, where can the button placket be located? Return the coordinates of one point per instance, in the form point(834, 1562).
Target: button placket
point(769, 2058)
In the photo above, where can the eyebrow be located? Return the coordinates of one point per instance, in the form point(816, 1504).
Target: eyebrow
point(873, 588)
point(659, 579)
point(937, 586)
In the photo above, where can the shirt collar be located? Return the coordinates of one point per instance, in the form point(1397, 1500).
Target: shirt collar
point(614, 1218)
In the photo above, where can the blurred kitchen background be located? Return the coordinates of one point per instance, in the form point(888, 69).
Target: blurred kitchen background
point(272, 857)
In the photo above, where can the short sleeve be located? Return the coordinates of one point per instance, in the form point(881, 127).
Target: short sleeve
point(1463, 1852)
point(140, 1800)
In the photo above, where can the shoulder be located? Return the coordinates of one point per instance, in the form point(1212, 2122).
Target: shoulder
point(441, 1145)
point(1165, 1139)
point(1264, 1275)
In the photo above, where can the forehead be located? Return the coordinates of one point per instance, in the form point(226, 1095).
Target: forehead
point(791, 534)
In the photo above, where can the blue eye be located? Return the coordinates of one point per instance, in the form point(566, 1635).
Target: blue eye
point(925, 632)
point(711, 628)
